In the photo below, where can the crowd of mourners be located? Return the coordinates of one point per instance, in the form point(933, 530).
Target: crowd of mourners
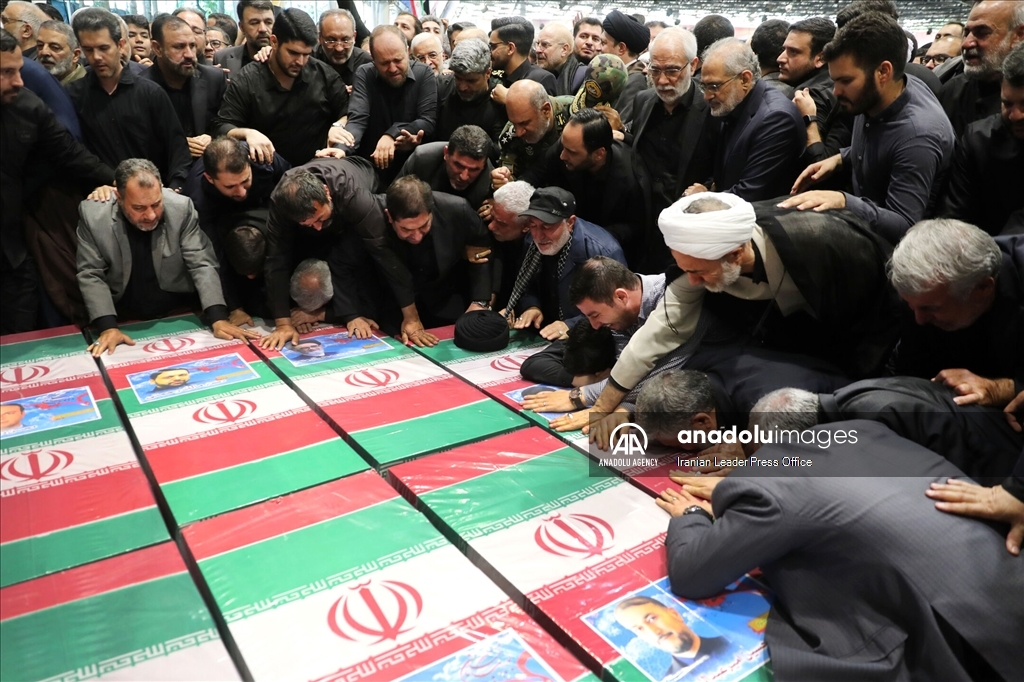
point(818, 229)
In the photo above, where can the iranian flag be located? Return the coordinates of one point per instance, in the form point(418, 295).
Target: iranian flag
point(347, 581)
point(137, 616)
point(211, 454)
point(56, 358)
point(394, 403)
point(72, 502)
point(165, 341)
point(569, 540)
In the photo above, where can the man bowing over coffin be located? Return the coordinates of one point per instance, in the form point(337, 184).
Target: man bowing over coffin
point(801, 282)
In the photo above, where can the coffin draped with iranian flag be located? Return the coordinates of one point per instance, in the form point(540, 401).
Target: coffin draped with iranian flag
point(226, 434)
point(137, 616)
point(572, 547)
point(71, 488)
point(497, 373)
point(346, 581)
point(394, 403)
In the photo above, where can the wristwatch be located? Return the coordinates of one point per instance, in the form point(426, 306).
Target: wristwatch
point(808, 120)
point(697, 509)
point(576, 396)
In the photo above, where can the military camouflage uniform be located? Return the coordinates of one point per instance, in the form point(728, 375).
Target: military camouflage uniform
point(517, 154)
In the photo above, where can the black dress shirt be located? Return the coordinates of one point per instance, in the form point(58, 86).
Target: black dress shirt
point(347, 71)
point(136, 121)
point(454, 111)
point(898, 161)
point(296, 121)
point(660, 148)
point(30, 131)
point(532, 72)
point(966, 100)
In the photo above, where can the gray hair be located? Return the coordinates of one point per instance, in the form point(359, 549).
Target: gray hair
point(943, 251)
point(30, 14)
point(514, 196)
point(669, 401)
point(419, 38)
point(706, 205)
point(336, 12)
point(1013, 65)
point(785, 409)
point(63, 29)
point(676, 34)
point(738, 57)
point(470, 57)
point(1017, 18)
point(143, 170)
point(310, 299)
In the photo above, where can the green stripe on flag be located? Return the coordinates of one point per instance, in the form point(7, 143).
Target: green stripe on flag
point(393, 442)
point(82, 633)
point(447, 352)
point(219, 491)
point(266, 377)
point(381, 534)
point(44, 554)
point(108, 419)
point(27, 351)
point(488, 501)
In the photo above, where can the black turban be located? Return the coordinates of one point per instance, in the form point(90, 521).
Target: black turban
point(625, 29)
point(481, 331)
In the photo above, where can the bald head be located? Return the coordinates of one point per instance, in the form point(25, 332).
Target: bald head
point(554, 45)
point(467, 33)
point(22, 20)
point(529, 110)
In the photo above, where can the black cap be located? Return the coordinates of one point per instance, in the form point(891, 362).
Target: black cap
point(551, 205)
point(481, 331)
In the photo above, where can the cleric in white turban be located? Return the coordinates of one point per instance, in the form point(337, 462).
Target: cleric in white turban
point(796, 281)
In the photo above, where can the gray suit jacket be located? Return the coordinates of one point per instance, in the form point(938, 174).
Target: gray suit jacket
point(871, 581)
point(182, 254)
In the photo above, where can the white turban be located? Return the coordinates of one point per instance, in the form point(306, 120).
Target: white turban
point(711, 235)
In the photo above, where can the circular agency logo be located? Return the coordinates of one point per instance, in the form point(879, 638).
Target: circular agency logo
point(573, 535)
point(629, 439)
point(372, 612)
point(23, 374)
point(509, 363)
point(35, 465)
point(371, 378)
point(224, 411)
point(174, 344)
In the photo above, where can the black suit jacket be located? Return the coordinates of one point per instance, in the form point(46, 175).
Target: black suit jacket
point(871, 582)
point(761, 145)
point(986, 178)
point(206, 90)
point(696, 164)
point(231, 58)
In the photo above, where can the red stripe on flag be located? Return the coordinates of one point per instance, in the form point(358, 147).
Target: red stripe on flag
point(286, 514)
point(408, 403)
point(443, 333)
point(43, 334)
point(119, 375)
point(93, 499)
point(470, 461)
point(245, 444)
point(116, 573)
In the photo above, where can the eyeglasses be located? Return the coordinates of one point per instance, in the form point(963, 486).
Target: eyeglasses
point(10, 20)
point(670, 71)
point(344, 42)
point(495, 46)
point(715, 87)
point(215, 44)
point(936, 58)
point(424, 58)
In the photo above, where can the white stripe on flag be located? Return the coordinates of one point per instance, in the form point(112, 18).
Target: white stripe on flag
point(549, 547)
point(214, 414)
point(34, 466)
point(166, 348)
point(379, 378)
point(449, 587)
point(492, 370)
